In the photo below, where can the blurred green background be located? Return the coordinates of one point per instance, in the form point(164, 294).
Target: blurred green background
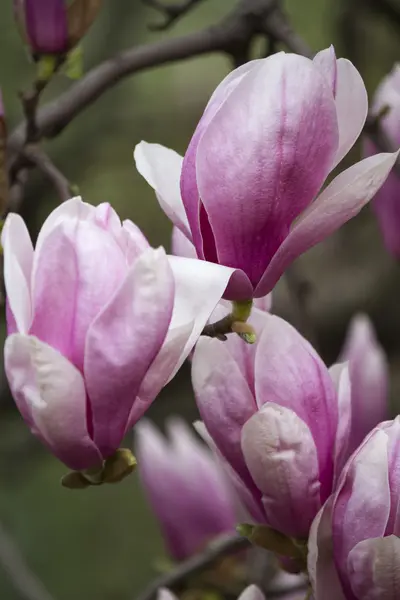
point(103, 543)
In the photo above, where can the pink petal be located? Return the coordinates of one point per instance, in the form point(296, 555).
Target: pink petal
point(181, 245)
point(351, 106)
point(290, 373)
point(18, 257)
point(105, 216)
point(321, 566)
point(326, 62)
point(189, 184)
point(71, 209)
point(160, 370)
point(224, 400)
point(199, 286)
point(341, 377)
point(344, 197)
point(263, 157)
point(123, 341)
point(369, 378)
point(281, 456)
point(72, 285)
point(132, 241)
point(248, 506)
point(50, 393)
point(374, 569)
point(161, 168)
point(392, 430)
point(362, 503)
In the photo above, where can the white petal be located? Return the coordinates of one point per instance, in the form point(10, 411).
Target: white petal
point(161, 167)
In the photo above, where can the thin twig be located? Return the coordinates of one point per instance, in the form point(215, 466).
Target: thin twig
point(171, 12)
point(196, 564)
point(38, 157)
point(23, 579)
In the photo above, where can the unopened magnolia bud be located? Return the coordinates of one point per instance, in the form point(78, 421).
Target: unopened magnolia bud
point(43, 24)
point(54, 26)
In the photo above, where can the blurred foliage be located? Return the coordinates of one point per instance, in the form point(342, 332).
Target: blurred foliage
point(102, 543)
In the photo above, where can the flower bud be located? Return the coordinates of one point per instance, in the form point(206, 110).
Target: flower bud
point(185, 486)
point(369, 379)
point(54, 26)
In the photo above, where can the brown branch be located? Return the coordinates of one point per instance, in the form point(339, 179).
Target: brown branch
point(171, 12)
point(248, 19)
point(37, 157)
point(23, 579)
point(196, 564)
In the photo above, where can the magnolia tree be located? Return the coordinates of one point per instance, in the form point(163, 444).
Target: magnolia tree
point(298, 467)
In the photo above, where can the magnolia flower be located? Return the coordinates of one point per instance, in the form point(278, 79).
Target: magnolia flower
point(274, 415)
point(386, 204)
point(369, 378)
point(246, 193)
point(98, 322)
point(354, 547)
point(185, 486)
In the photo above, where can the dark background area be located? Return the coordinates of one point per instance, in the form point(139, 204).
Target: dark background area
point(103, 543)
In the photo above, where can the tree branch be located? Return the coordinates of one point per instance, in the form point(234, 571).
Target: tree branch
point(37, 156)
point(171, 12)
point(249, 18)
point(196, 564)
point(24, 580)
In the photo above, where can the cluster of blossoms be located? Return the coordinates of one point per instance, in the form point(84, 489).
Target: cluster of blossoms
point(98, 322)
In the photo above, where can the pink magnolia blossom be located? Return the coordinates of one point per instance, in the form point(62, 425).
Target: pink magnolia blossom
point(98, 322)
point(386, 203)
point(185, 486)
point(354, 546)
point(45, 24)
point(247, 193)
point(275, 417)
point(369, 379)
